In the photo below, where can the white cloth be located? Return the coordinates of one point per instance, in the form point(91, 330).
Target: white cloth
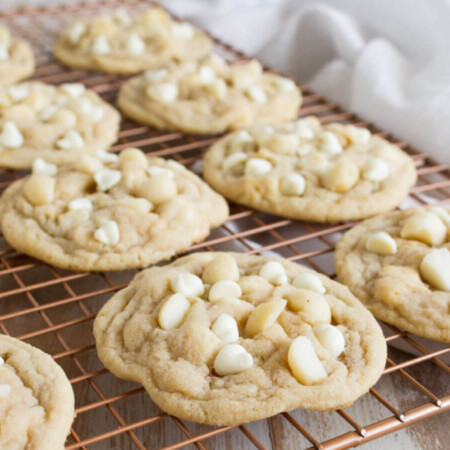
point(386, 60)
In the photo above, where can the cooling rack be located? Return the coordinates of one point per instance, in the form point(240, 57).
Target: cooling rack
point(54, 309)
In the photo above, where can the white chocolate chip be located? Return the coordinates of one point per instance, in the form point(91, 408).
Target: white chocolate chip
point(101, 46)
point(40, 167)
point(74, 90)
point(292, 184)
point(274, 272)
point(72, 139)
point(245, 76)
point(426, 228)
point(222, 267)
point(65, 117)
point(80, 203)
point(73, 218)
point(11, 137)
point(4, 52)
point(340, 176)
point(286, 143)
point(309, 282)
point(284, 84)
point(358, 135)
point(241, 137)
point(219, 88)
point(133, 156)
point(313, 307)
point(39, 189)
point(107, 178)
point(257, 166)
point(257, 94)
point(188, 284)
point(61, 100)
point(233, 160)
point(135, 45)
point(108, 233)
point(156, 170)
point(182, 30)
point(206, 75)
point(435, 268)
point(106, 157)
point(5, 389)
point(264, 316)
point(122, 16)
point(155, 74)
point(158, 189)
point(48, 112)
point(173, 312)
point(232, 359)
point(224, 289)
point(442, 213)
point(381, 243)
point(375, 169)
point(303, 129)
point(329, 143)
point(19, 92)
point(141, 205)
point(330, 337)
point(88, 164)
point(304, 362)
point(225, 328)
point(76, 32)
point(2, 361)
point(95, 112)
point(165, 92)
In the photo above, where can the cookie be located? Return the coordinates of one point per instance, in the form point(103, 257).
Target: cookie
point(55, 123)
point(120, 212)
point(36, 398)
point(16, 58)
point(398, 265)
point(121, 44)
point(210, 96)
point(227, 338)
point(307, 171)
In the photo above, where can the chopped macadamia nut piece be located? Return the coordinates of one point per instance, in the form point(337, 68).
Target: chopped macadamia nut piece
point(222, 267)
point(442, 213)
point(158, 189)
point(313, 307)
point(340, 176)
point(257, 94)
point(74, 90)
point(435, 269)
point(40, 167)
point(310, 282)
point(107, 178)
point(141, 205)
point(108, 233)
point(257, 166)
point(133, 156)
point(225, 328)
point(285, 143)
point(264, 316)
point(292, 184)
point(153, 75)
point(39, 189)
point(224, 289)
point(88, 164)
point(232, 359)
point(381, 243)
point(182, 30)
point(358, 135)
point(331, 338)
point(68, 119)
point(218, 88)
point(274, 272)
point(188, 284)
point(173, 312)
point(426, 228)
point(304, 362)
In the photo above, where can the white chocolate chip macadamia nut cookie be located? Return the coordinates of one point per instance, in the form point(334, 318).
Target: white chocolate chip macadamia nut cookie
point(305, 171)
point(16, 58)
point(398, 265)
point(226, 338)
point(55, 123)
point(113, 213)
point(209, 97)
point(36, 398)
point(119, 43)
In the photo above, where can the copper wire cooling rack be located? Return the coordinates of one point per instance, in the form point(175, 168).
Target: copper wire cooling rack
point(54, 309)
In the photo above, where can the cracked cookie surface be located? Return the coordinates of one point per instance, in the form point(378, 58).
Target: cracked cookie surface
point(210, 96)
point(226, 338)
point(307, 171)
point(36, 398)
point(121, 44)
point(55, 123)
point(381, 260)
point(117, 212)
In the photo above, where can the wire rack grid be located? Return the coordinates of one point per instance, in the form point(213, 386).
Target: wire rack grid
point(54, 309)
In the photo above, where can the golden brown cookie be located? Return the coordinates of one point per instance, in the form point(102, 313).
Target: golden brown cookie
point(226, 338)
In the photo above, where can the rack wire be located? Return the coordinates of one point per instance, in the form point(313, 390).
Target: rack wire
point(54, 309)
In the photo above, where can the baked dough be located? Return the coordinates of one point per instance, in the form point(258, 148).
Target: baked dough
point(55, 123)
point(390, 279)
point(209, 97)
point(16, 58)
point(307, 171)
point(173, 348)
point(121, 44)
point(36, 398)
point(123, 212)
